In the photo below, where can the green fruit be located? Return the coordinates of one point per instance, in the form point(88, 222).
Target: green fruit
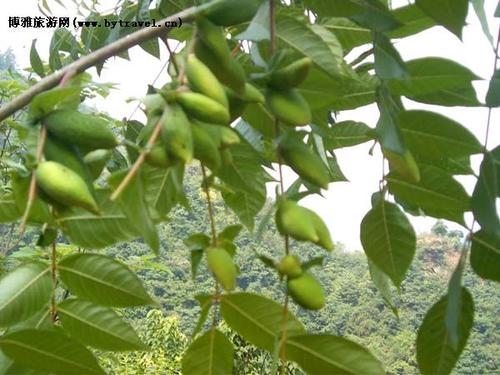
point(405, 166)
point(306, 163)
point(205, 148)
point(202, 80)
point(213, 38)
point(289, 106)
point(231, 74)
point(222, 266)
point(291, 75)
point(176, 133)
point(64, 186)
point(250, 94)
point(88, 131)
point(203, 108)
point(155, 104)
point(223, 136)
point(158, 156)
point(307, 292)
point(96, 161)
point(229, 137)
point(324, 239)
point(69, 156)
point(294, 220)
point(232, 12)
point(238, 102)
point(290, 266)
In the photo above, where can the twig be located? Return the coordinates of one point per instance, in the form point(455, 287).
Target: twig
point(96, 57)
point(209, 205)
point(236, 49)
point(139, 161)
point(53, 312)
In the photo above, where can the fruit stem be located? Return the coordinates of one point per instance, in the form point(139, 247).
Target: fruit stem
point(53, 311)
point(209, 205)
point(173, 58)
point(139, 161)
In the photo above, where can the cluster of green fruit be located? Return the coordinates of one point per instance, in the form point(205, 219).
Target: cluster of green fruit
point(65, 178)
point(302, 224)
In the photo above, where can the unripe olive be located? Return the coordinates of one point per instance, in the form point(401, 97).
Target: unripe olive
point(307, 292)
point(290, 266)
point(222, 266)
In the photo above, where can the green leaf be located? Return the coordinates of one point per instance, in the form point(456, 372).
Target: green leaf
point(485, 255)
point(132, 202)
point(454, 166)
point(259, 26)
point(413, 21)
point(435, 352)
point(67, 97)
point(97, 326)
point(347, 134)
point(340, 93)
point(375, 16)
point(388, 62)
point(164, 187)
point(49, 350)
point(133, 129)
point(449, 13)
point(205, 301)
point(39, 212)
point(230, 232)
point(35, 60)
point(493, 95)
point(351, 35)
point(97, 231)
point(464, 96)
point(435, 136)
point(197, 243)
point(326, 354)
point(452, 318)
point(367, 13)
point(382, 282)
point(210, 354)
point(151, 46)
point(431, 74)
point(9, 210)
point(389, 239)
point(260, 119)
point(246, 181)
point(437, 194)
point(23, 292)
point(102, 280)
point(484, 197)
point(481, 15)
point(495, 155)
point(258, 319)
point(314, 41)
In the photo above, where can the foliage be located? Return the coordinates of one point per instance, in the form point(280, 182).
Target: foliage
point(269, 78)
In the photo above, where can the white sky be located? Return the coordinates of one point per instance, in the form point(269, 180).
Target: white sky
point(344, 204)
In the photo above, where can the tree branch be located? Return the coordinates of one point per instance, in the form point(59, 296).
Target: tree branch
point(96, 57)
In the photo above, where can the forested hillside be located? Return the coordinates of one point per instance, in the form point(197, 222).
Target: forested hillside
point(354, 307)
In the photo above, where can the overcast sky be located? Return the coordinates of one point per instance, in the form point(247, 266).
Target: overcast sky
point(344, 204)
